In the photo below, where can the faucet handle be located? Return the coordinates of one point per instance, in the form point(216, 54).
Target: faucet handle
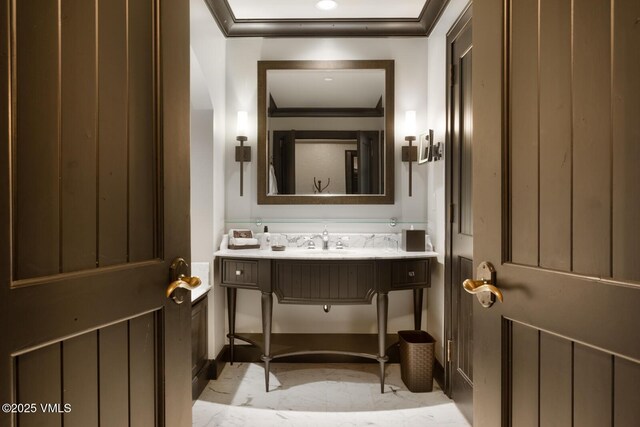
point(311, 244)
point(340, 244)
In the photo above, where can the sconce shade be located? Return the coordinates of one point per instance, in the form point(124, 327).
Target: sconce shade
point(243, 123)
point(410, 123)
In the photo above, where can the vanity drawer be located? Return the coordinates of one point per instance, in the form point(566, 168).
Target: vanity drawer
point(240, 272)
point(409, 273)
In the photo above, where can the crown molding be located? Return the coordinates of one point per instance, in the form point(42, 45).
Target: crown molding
point(379, 27)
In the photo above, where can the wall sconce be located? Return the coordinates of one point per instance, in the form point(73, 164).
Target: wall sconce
point(243, 154)
point(410, 153)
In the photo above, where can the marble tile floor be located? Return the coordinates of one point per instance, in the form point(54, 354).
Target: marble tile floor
point(319, 395)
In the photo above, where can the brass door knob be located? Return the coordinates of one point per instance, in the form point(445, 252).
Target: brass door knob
point(179, 279)
point(484, 288)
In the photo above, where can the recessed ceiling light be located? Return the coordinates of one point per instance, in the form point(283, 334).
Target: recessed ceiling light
point(328, 79)
point(326, 4)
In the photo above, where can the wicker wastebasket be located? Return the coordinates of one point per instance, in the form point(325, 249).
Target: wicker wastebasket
point(416, 360)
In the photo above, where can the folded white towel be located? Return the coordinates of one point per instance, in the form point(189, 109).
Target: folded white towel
point(239, 241)
point(273, 182)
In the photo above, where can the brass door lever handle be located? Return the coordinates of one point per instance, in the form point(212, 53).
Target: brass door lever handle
point(485, 287)
point(180, 280)
point(477, 286)
point(185, 283)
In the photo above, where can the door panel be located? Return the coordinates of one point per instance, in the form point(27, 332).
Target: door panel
point(143, 363)
point(38, 381)
point(524, 375)
point(555, 135)
point(77, 143)
point(625, 113)
point(556, 380)
point(559, 232)
point(560, 380)
point(626, 411)
point(114, 375)
point(562, 204)
point(142, 154)
point(94, 199)
point(465, 224)
point(124, 358)
point(113, 163)
point(464, 331)
point(524, 128)
point(591, 131)
point(80, 361)
point(460, 226)
point(592, 371)
point(59, 213)
point(34, 116)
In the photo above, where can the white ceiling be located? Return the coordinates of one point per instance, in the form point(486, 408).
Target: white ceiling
point(307, 88)
point(306, 9)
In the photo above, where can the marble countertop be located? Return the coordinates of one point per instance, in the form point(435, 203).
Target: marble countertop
point(320, 254)
point(199, 291)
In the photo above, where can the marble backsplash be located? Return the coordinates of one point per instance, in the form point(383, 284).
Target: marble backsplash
point(349, 240)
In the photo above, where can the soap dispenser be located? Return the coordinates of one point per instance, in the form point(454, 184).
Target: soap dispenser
point(266, 239)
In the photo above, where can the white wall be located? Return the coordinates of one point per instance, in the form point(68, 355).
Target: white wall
point(324, 161)
point(208, 46)
point(201, 185)
point(201, 151)
point(410, 55)
point(436, 116)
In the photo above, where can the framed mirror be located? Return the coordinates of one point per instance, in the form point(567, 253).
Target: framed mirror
point(325, 132)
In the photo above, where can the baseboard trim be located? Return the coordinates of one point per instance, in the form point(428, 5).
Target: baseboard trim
point(438, 373)
point(219, 362)
point(199, 382)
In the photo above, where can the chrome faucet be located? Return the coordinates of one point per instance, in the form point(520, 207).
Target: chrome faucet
point(325, 239)
point(340, 244)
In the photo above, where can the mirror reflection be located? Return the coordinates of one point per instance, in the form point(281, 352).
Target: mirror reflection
point(325, 131)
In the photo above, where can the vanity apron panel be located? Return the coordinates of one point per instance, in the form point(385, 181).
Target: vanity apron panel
point(324, 282)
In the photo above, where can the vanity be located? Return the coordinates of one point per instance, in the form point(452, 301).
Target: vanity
point(330, 144)
point(297, 275)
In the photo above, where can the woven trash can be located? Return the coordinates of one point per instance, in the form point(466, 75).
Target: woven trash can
point(416, 360)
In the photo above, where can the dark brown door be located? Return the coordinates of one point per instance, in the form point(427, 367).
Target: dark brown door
point(369, 162)
point(351, 171)
point(557, 211)
point(460, 251)
point(284, 161)
point(94, 198)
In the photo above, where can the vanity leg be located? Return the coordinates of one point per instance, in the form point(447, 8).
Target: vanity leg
point(267, 311)
point(231, 311)
point(417, 308)
point(383, 302)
